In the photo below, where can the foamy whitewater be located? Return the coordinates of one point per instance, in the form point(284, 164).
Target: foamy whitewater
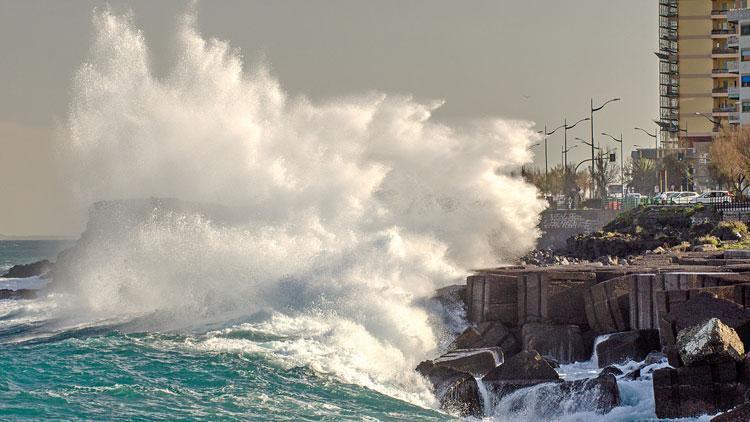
point(310, 296)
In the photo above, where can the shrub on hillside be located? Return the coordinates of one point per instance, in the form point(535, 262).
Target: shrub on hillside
point(730, 230)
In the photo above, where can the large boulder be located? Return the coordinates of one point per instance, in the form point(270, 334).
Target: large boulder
point(29, 270)
point(601, 391)
point(701, 308)
point(522, 370)
point(709, 342)
point(477, 362)
point(563, 343)
point(630, 345)
point(455, 390)
point(488, 334)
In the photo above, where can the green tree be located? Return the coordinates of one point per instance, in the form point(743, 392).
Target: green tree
point(640, 175)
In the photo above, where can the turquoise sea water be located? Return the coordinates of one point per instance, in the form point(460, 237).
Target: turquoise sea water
point(100, 372)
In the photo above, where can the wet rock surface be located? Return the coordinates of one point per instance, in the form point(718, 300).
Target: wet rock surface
point(631, 345)
point(455, 390)
point(488, 334)
point(525, 369)
point(563, 343)
point(740, 413)
point(477, 362)
point(697, 390)
point(29, 270)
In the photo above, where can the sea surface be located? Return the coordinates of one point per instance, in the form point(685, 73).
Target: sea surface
point(96, 371)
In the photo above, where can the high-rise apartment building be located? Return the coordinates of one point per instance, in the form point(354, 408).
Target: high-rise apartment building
point(699, 75)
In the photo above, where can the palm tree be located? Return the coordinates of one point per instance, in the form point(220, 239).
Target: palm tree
point(641, 175)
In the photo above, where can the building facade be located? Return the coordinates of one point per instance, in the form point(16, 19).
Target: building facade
point(701, 71)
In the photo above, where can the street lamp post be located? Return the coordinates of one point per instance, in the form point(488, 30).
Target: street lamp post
point(656, 150)
point(622, 171)
point(566, 128)
point(594, 109)
point(546, 168)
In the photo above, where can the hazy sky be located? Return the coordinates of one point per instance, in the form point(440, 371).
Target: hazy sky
point(539, 60)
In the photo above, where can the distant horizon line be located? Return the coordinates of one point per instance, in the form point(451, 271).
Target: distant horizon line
point(39, 237)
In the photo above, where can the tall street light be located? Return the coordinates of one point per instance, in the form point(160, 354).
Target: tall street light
point(656, 150)
point(593, 110)
point(586, 143)
point(622, 171)
point(566, 128)
point(546, 168)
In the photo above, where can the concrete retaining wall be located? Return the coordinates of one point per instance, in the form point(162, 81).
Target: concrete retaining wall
point(558, 225)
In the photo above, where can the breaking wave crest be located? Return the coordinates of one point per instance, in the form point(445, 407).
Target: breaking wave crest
point(345, 214)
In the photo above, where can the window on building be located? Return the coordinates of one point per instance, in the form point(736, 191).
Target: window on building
point(746, 80)
point(745, 29)
point(745, 54)
point(746, 106)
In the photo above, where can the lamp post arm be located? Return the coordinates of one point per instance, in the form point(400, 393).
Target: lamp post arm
point(574, 124)
point(613, 138)
point(653, 135)
point(553, 131)
point(605, 103)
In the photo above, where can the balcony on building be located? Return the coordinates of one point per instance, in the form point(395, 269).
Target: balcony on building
point(733, 92)
point(723, 52)
point(730, 69)
point(736, 15)
point(724, 111)
point(719, 14)
point(720, 91)
point(723, 32)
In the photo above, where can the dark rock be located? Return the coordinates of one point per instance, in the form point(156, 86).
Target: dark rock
point(633, 375)
point(456, 391)
point(18, 294)
point(701, 308)
point(602, 391)
point(488, 334)
point(477, 362)
point(740, 413)
point(563, 343)
point(709, 342)
point(654, 357)
point(692, 391)
point(630, 345)
point(29, 270)
point(553, 363)
point(611, 370)
point(522, 370)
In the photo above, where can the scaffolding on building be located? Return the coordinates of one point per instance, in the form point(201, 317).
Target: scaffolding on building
point(669, 75)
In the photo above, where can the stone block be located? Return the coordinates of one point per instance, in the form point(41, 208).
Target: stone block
point(563, 343)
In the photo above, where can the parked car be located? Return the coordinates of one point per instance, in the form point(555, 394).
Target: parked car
point(683, 197)
point(713, 197)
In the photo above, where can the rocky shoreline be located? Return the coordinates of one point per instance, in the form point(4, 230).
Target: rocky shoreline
point(688, 310)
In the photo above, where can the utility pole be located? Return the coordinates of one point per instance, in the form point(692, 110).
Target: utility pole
point(566, 129)
point(594, 109)
point(654, 135)
point(622, 172)
point(546, 168)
